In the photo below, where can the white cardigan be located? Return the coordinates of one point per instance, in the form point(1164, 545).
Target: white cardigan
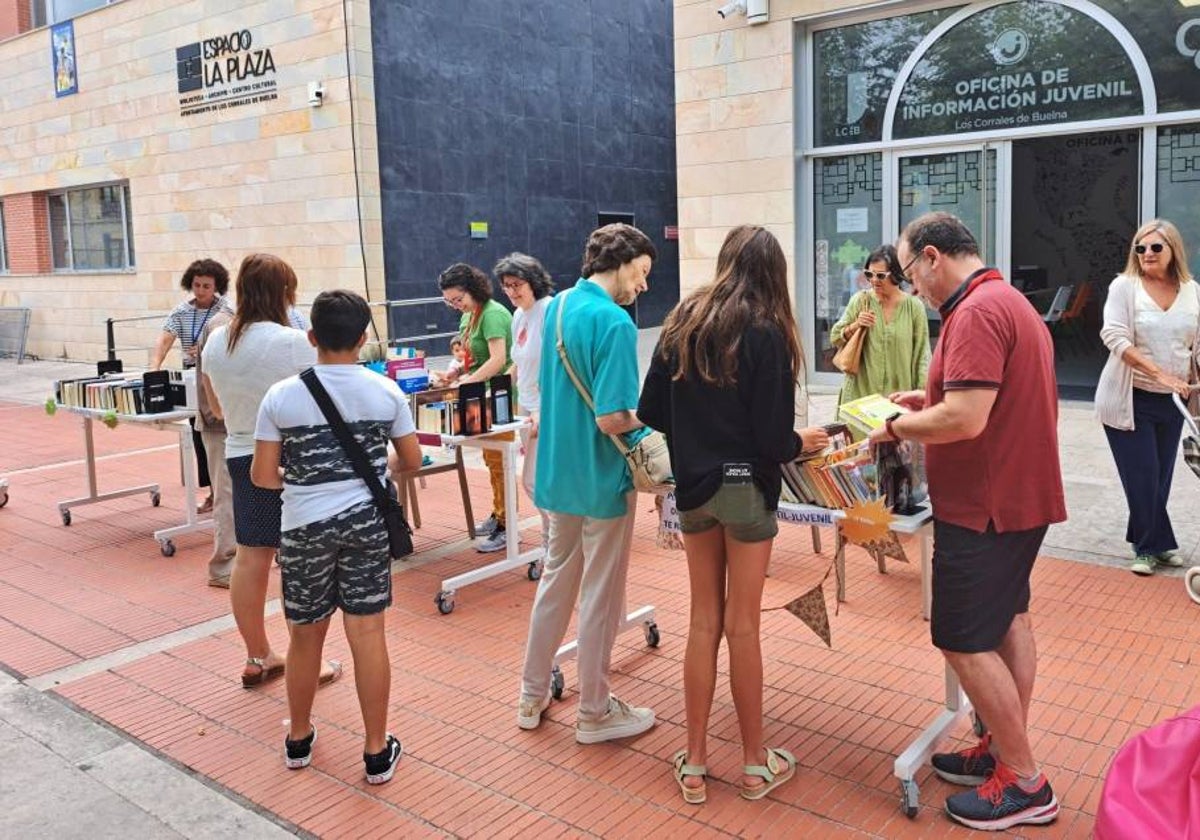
point(1114, 392)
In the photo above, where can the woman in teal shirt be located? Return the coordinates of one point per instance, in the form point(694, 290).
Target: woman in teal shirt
point(895, 354)
point(486, 329)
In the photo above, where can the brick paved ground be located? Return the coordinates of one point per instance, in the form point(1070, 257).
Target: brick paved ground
point(1116, 656)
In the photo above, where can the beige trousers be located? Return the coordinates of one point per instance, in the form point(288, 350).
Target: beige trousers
point(588, 561)
point(220, 564)
point(528, 470)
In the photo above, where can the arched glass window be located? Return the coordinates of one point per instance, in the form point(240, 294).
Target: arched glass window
point(1018, 65)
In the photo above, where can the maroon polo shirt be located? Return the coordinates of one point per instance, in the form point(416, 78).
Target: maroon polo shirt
point(1009, 475)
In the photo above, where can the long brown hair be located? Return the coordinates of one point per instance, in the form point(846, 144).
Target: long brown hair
point(266, 286)
point(704, 332)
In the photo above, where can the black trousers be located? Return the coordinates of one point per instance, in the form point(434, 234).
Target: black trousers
point(202, 479)
point(1145, 459)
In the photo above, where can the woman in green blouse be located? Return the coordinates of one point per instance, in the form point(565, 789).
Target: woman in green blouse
point(895, 354)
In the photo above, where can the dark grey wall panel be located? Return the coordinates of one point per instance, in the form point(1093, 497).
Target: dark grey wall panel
point(531, 115)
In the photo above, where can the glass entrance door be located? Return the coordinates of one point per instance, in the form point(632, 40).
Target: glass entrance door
point(963, 183)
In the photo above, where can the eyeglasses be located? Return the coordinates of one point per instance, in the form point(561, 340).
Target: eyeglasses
point(454, 302)
point(904, 271)
point(513, 287)
point(876, 275)
point(1156, 247)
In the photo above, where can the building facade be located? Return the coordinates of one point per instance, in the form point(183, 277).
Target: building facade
point(368, 144)
point(1053, 127)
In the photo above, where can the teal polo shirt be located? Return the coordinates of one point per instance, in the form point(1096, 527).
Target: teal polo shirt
point(579, 471)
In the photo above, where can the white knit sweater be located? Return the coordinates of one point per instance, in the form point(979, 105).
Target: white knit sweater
point(1114, 392)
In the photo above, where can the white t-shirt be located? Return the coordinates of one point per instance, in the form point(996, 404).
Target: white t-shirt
point(318, 478)
point(1166, 337)
point(266, 353)
point(527, 329)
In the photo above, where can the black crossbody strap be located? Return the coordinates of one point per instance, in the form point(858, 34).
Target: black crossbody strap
point(353, 449)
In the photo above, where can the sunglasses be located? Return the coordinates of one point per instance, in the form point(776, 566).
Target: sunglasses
point(1155, 247)
point(876, 275)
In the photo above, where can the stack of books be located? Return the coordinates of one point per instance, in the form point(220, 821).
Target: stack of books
point(837, 478)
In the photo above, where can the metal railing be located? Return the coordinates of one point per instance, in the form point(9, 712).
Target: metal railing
point(14, 331)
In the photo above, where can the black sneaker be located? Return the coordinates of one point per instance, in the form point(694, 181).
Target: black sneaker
point(382, 765)
point(970, 767)
point(1001, 803)
point(298, 754)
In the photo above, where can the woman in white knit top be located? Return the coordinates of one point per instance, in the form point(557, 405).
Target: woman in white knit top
point(1152, 331)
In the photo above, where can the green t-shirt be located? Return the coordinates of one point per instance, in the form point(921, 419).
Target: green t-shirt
point(494, 322)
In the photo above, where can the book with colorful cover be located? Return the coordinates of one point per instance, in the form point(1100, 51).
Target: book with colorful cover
point(868, 413)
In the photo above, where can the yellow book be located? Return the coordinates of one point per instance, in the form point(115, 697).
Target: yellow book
point(868, 413)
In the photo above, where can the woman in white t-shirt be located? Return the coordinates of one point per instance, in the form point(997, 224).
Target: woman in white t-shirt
point(1151, 326)
point(240, 362)
point(529, 286)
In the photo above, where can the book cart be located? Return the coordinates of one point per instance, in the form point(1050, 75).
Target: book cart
point(167, 421)
point(956, 706)
point(513, 556)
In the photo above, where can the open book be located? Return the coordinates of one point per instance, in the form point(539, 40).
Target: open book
point(866, 414)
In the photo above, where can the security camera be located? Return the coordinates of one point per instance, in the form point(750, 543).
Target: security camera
point(737, 7)
point(316, 94)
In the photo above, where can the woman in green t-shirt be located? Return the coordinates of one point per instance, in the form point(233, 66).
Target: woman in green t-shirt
point(486, 329)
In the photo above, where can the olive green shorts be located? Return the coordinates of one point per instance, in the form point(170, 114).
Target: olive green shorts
point(740, 508)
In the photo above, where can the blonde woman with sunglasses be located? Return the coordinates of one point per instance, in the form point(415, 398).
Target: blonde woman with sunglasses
point(1151, 327)
point(895, 355)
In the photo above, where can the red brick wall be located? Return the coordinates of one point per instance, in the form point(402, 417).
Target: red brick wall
point(27, 233)
point(14, 18)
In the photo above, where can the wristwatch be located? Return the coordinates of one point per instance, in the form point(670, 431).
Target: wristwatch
point(887, 425)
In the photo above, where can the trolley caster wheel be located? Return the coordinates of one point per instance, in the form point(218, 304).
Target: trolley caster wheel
point(167, 548)
point(155, 498)
point(66, 517)
point(977, 725)
point(909, 798)
point(534, 572)
point(652, 636)
point(557, 683)
point(445, 603)
point(1191, 580)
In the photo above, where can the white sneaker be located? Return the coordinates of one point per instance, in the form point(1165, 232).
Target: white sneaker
point(621, 721)
point(487, 526)
point(529, 712)
point(497, 541)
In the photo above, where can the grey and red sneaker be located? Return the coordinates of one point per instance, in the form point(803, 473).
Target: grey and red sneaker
point(1003, 801)
point(970, 767)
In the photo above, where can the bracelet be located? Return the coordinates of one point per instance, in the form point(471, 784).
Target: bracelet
point(889, 427)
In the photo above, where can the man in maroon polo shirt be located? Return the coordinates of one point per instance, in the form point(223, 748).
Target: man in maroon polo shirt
point(988, 419)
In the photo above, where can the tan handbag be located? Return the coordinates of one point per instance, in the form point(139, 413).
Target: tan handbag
point(848, 359)
point(648, 460)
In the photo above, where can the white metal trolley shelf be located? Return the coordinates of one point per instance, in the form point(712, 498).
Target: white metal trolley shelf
point(170, 421)
point(513, 557)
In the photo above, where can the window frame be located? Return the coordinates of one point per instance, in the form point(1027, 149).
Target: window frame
point(42, 12)
point(127, 249)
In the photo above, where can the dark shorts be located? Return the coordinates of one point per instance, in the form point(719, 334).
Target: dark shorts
point(256, 511)
point(342, 562)
point(980, 584)
point(740, 508)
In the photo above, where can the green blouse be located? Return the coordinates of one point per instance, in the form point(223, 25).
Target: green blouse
point(895, 355)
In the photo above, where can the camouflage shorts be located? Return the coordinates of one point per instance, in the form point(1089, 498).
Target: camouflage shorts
point(342, 562)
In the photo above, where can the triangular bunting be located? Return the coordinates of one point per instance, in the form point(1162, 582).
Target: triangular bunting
point(810, 608)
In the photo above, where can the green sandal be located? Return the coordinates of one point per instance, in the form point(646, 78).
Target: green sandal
point(780, 766)
point(691, 795)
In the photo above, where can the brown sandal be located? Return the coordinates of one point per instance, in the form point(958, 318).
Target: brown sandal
point(265, 674)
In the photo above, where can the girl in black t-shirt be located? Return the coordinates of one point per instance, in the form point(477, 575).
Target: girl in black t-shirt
point(721, 387)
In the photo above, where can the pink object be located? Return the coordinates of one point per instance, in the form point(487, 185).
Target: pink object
point(1153, 784)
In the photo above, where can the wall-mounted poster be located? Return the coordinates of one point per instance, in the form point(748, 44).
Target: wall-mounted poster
point(62, 50)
